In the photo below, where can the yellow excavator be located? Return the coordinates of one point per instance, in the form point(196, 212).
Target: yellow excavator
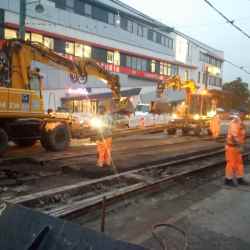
point(183, 118)
point(23, 119)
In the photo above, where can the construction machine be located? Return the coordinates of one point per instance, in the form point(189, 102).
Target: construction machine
point(188, 116)
point(23, 119)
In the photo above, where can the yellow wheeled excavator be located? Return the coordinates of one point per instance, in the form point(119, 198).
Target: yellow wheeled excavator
point(23, 119)
point(184, 117)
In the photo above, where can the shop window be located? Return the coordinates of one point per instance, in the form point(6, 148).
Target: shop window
point(36, 38)
point(138, 64)
point(87, 51)
point(27, 36)
point(129, 61)
point(161, 68)
point(69, 48)
point(174, 70)
point(48, 42)
point(134, 63)
point(10, 34)
point(110, 57)
point(59, 46)
point(117, 58)
point(79, 49)
point(99, 54)
point(144, 65)
point(153, 66)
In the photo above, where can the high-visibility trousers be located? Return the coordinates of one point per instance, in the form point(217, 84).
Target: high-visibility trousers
point(235, 166)
point(215, 128)
point(104, 148)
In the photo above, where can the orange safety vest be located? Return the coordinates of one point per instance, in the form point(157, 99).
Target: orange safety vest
point(236, 134)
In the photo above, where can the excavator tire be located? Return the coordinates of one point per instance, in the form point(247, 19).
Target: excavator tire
point(57, 139)
point(25, 142)
point(3, 141)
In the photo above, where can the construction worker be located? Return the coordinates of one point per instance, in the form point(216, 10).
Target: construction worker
point(104, 138)
point(215, 126)
point(234, 147)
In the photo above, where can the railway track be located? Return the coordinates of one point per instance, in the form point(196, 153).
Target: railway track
point(74, 200)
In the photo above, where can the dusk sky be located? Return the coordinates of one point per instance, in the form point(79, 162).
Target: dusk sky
point(197, 19)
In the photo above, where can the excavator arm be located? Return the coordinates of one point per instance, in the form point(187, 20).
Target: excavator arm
point(175, 83)
point(22, 53)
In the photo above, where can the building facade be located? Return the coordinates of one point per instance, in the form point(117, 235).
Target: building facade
point(139, 49)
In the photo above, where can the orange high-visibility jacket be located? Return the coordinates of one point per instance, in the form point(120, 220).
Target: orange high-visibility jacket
point(236, 133)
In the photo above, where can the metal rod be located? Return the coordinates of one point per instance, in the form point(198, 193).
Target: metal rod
point(103, 214)
point(22, 17)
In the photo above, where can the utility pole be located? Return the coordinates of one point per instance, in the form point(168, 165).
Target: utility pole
point(22, 17)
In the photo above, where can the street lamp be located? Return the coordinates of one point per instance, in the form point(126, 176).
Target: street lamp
point(23, 4)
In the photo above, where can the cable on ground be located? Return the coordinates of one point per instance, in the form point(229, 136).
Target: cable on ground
point(162, 243)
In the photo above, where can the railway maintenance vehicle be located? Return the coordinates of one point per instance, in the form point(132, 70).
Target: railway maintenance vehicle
point(23, 119)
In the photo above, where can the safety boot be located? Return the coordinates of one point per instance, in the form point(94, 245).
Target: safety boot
point(230, 183)
point(243, 182)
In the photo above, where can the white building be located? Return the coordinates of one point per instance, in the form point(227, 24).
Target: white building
point(138, 48)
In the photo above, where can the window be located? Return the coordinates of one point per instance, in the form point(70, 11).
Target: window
point(161, 68)
point(150, 35)
point(10, 34)
point(27, 36)
point(116, 58)
point(59, 46)
point(100, 14)
point(87, 9)
point(110, 57)
point(174, 70)
point(130, 26)
point(36, 38)
point(169, 69)
point(135, 28)
point(79, 50)
point(153, 66)
point(129, 61)
point(69, 48)
point(140, 30)
point(69, 5)
point(99, 54)
point(186, 75)
point(48, 42)
point(144, 65)
point(170, 43)
point(158, 38)
point(134, 63)
point(87, 51)
point(111, 18)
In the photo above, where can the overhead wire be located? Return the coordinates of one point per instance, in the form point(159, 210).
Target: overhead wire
point(123, 5)
point(230, 21)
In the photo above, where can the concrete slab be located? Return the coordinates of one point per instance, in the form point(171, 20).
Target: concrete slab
point(220, 221)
